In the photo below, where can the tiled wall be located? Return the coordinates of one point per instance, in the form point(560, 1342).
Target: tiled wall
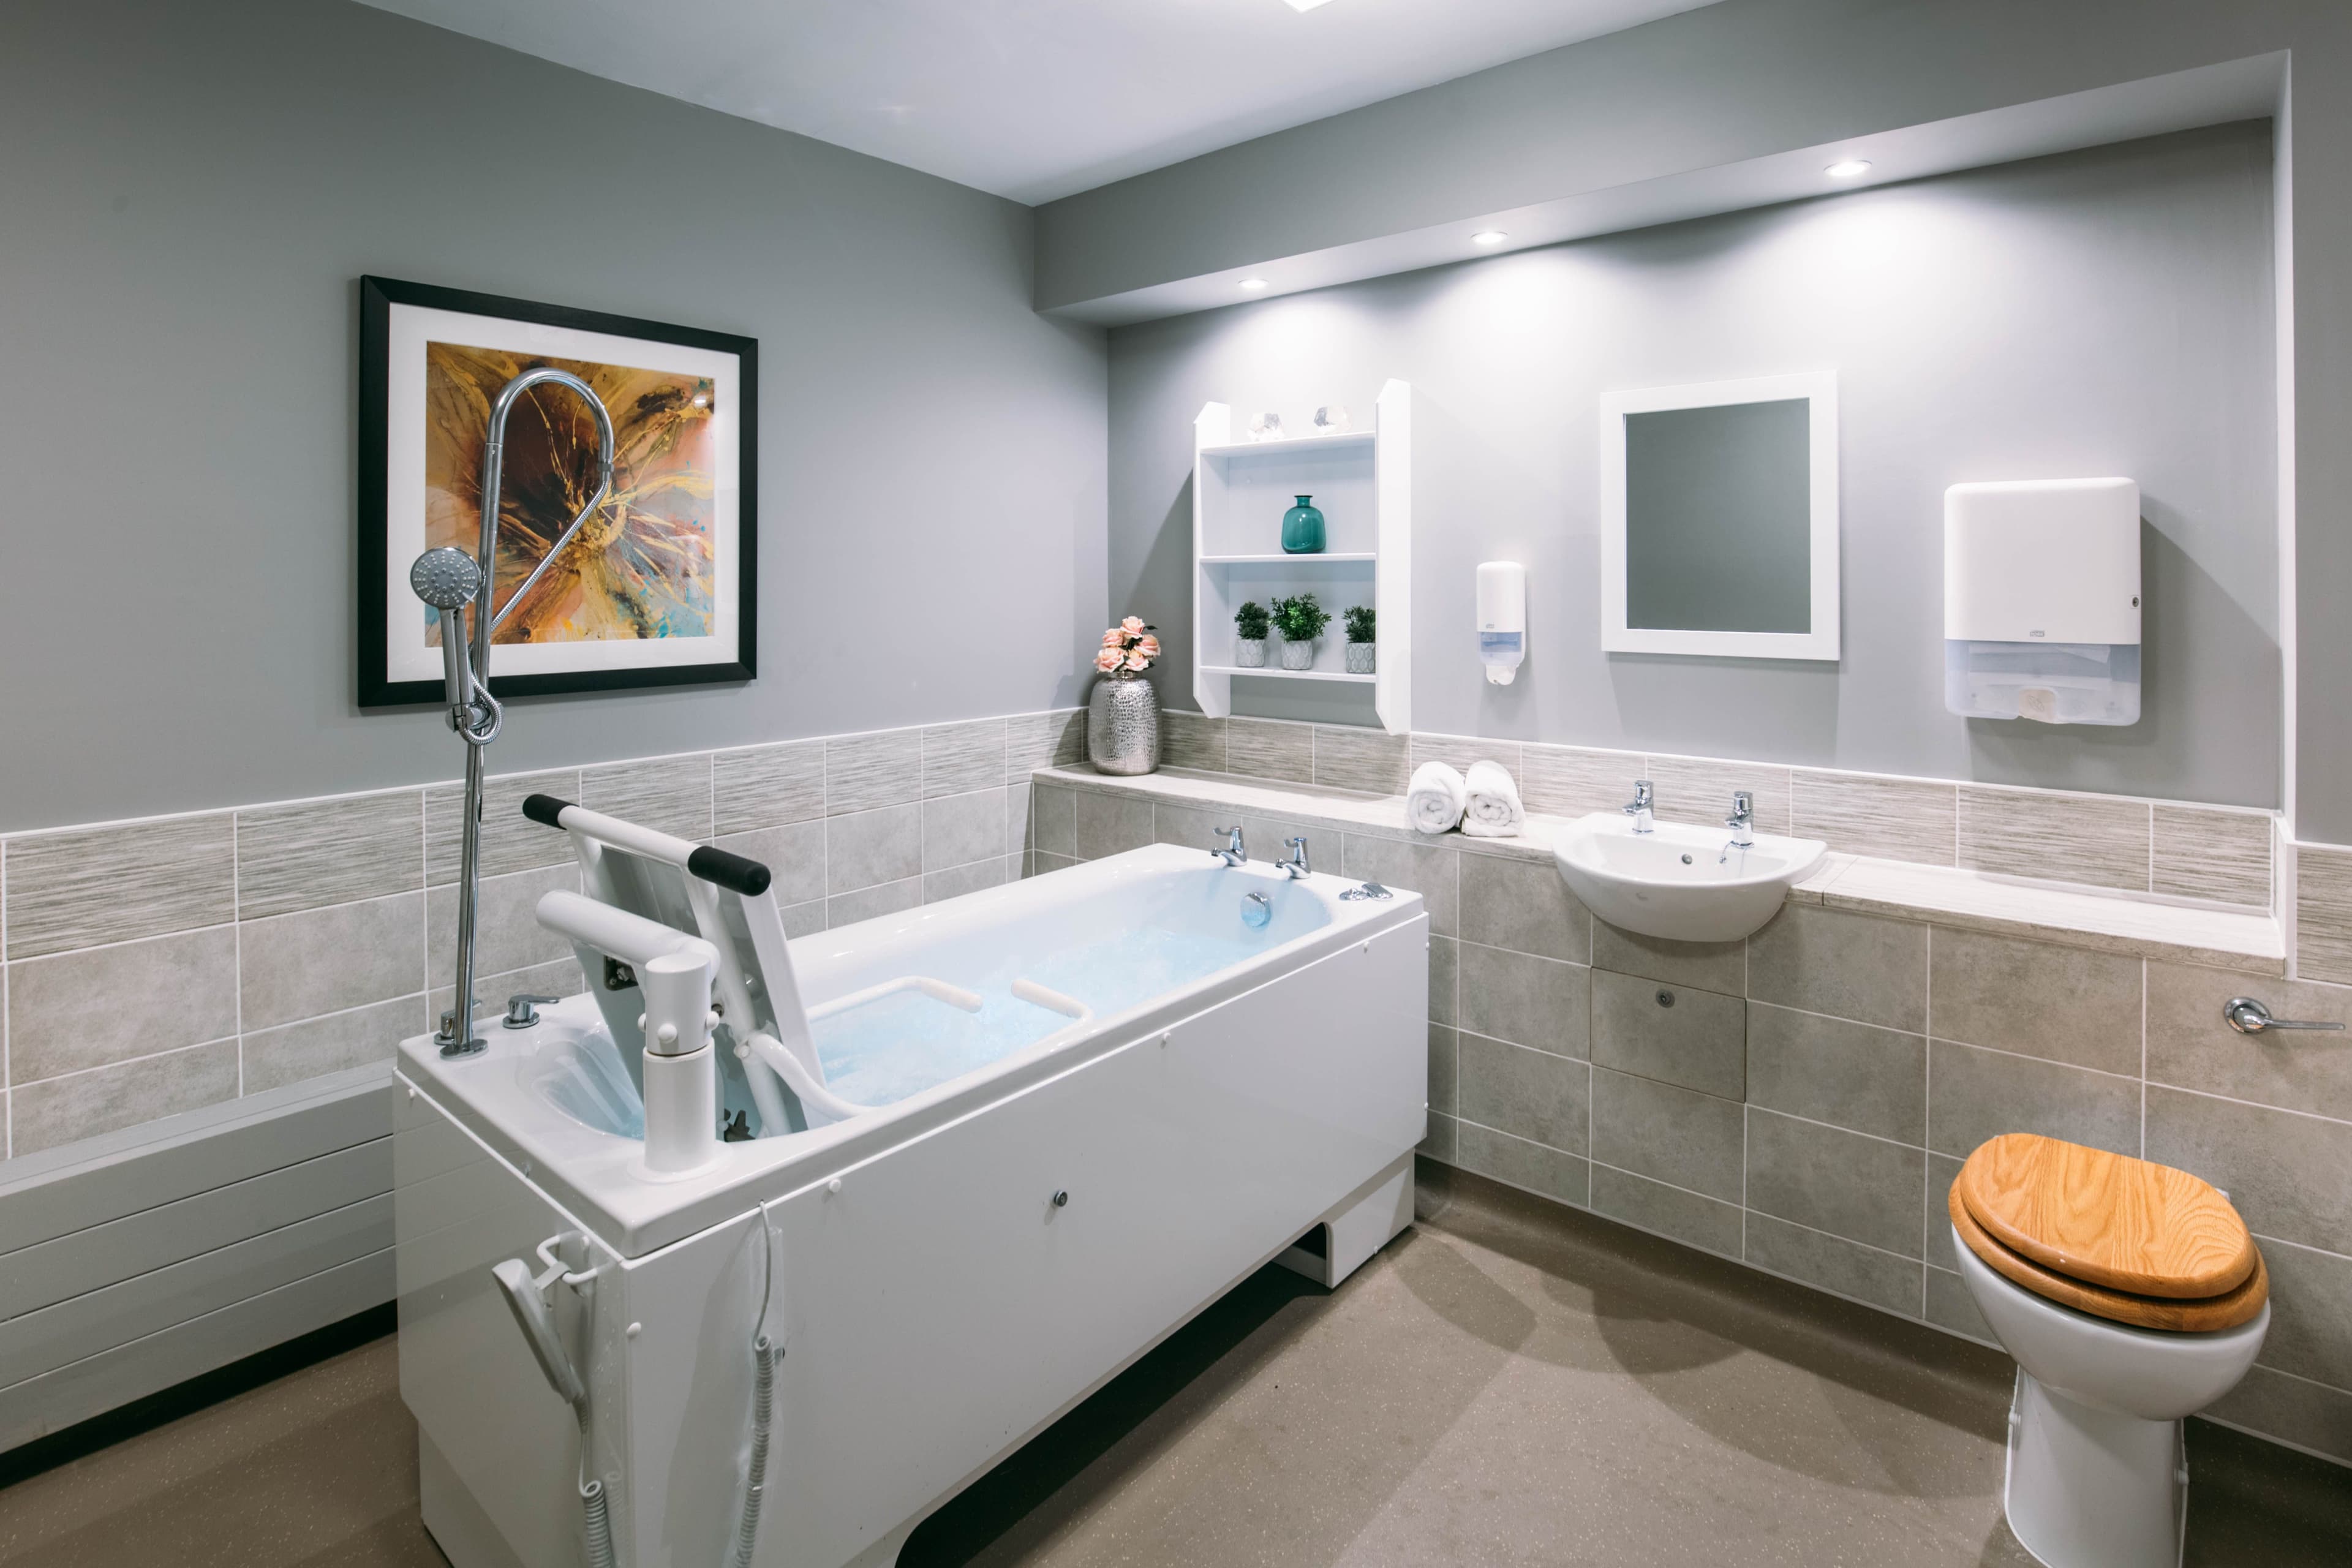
point(1802, 1100)
point(158, 966)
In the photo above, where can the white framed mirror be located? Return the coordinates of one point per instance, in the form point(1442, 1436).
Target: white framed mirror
point(1719, 518)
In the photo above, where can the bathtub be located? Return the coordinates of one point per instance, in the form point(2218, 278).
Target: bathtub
point(1152, 1101)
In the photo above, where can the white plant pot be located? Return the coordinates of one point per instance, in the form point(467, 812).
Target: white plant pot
point(1298, 656)
point(1360, 657)
point(1249, 653)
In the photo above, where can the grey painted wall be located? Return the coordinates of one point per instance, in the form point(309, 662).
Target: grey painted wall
point(191, 192)
point(2101, 312)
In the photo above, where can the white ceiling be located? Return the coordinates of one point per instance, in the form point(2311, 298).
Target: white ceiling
point(1032, 99)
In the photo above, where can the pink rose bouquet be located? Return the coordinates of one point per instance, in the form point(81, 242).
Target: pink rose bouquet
point(1128, 649)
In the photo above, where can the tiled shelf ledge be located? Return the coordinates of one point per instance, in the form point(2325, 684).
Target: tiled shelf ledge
point(2084, 918)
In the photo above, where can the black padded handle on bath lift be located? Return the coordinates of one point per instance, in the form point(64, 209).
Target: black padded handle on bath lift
point(734, 872)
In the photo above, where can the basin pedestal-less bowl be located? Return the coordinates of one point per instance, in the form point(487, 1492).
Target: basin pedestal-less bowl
point(1684, 883)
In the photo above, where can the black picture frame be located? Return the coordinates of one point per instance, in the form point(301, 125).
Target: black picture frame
point(377, 296)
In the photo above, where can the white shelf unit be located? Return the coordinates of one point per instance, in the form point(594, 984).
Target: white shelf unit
point(1363, 482)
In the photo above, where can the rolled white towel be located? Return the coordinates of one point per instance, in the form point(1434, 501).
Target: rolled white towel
point(1432, 801)
point(1491, 808)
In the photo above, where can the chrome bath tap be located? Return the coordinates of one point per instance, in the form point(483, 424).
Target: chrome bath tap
point(1295, 866)
point(1235, 853)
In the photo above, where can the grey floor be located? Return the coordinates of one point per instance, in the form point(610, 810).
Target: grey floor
point(1508, 1383)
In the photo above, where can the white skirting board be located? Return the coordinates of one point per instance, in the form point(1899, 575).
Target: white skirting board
point(136, 1261)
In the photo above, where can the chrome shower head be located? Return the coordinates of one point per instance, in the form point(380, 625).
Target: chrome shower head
point(447, 578)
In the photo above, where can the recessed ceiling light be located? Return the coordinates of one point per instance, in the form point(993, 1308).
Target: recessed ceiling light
point(1251, 285)
point(1848, 169)
point(1307, 4)
point(1488, 237)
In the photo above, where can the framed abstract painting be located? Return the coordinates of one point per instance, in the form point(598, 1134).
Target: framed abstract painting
point(657, 589)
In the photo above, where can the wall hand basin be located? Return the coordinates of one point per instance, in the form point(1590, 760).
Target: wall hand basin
point(1681, 882)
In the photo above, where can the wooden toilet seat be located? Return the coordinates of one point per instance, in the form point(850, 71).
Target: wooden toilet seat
point(2120, 1238)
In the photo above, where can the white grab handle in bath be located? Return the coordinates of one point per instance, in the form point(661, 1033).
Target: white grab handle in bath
point(814, 1095)
point(937, 990)
point(1053, 1001)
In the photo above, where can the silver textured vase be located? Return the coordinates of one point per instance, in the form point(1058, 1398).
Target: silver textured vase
point(1123, 726)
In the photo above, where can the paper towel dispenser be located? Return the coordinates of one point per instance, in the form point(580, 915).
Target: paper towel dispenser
point(2042, 600)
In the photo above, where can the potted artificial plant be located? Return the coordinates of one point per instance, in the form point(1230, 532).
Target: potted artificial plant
point(1123, 714)
point(1360, 652)
point(1250, 624)
point(1300, 619)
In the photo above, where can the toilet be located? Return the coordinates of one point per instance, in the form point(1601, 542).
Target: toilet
point(2131, 1294)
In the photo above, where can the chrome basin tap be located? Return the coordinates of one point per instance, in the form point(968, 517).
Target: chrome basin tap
point(1296, 865)
point(1638, 808)
point(1234, 853)
point(1742, 823)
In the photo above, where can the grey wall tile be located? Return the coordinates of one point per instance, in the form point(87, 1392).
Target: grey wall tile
point(62, 1110)
point(1053, 820)
point(1049, 740)
point(1522, 905)
point(1191, 740)
point(1711, 966)
point(2322, 913)
point(2311, 1331)
point(1699, 790)
point(507, 935)
point(794, 853)
point(324, 961)
point(1942, 1251)
point(1444, 957)
point(1370, 760)
point(332, 1044)
point(1110, 823)
point(1892, 819)
point(870, 848)
point(1424, 869)
point(2309, 1415)
point(958, 880)
point(1831, 1264)
point(117, 884)
point(1673, 1135)
point(2063, 1002)
point(73, 1011)
point(960, 758)
point(2055, 837)
point(1438, 1142)
point(1041, 863)
point(1262, 748)
point(1667, 1211)
point(1949, 1306)
point(1269, 840)
point(1848, 966)
point(767, 786)
point(329, 852)
point(2189, 1047)
point(561, 978)
point(668, 794)
point(510, 841)
point(1676, 1033)
point(872, 903)
point(2285, 1173)
point(1851, 1075)
point(1443, 1057)
point(1536, 1002)
point(961, 829)
point(1533, 1167)
point(1194, 828)
point(803, 920)
point(2220, 854)
point(1458, 752)
point(1016, 819)
point(1864, 1189)
point(1572, 781)
point(864, 772)
point(1973, 1095)
point(1528, 1094)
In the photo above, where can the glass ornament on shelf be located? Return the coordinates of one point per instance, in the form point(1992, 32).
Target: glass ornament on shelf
point(1267, 426)
point(1331, 419)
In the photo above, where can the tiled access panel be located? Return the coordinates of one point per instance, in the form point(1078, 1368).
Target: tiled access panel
point(1802, 1100)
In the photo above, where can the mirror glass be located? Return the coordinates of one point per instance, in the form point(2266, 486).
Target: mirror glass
point(1719, 518)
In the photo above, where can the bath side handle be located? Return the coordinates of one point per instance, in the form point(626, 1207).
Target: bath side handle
point(545, 809)
point(734, 872)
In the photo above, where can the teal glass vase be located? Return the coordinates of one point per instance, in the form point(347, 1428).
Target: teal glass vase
point(1302, 528)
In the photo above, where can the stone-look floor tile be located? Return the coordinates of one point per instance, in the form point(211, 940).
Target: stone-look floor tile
point(1528, 1094)
point(2309, 1415)
point(2092, 839)
point(1699, 790)
point(1444, 1068)
point(2285, 1173)
point(960, 758)
point(2224, 855)
point(1828, 1179)
point(59, 1111)
point(511, 842)
point(2035, 998)
point(958, 880)
point(1522, 905)
point(1973, 1095)
point(507, 933)
point(1711, 965)
point(961, 829)
point(1537, 1001)
point(1891, 819)
point(1458, 752)
point(668, 794)
point(325, 852)
point(2189, 1047)
point(326, 961)
point(1575, 781)
point(1949, 1306)
point(794, 853)
point(1269, 749)
point(1444, 956)
point(1369, 761)
point(1848, 966)
point(1438, 1142)
point(1676, 1033)
point(1942, 1251)
point(863, 772)
point(1110, 823)
point(1191, 740)
point(1851, 1075)
point(1668, 1211)
point(1673, 1135)
point(767, 786)
point(2311, 1332)
point(316, 1046)
point(1834, 1265)
point(1424, 869)
point(872, 903)
point(1053, 820)
point(1516, 1161)
point(869, 847)
point(2323, 914)
point(95, 884)
point(74, 1011)
point(1049, 740)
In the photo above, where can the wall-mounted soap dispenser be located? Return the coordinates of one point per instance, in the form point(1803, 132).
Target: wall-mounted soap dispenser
point(2042, 600)
point(1502, 619)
